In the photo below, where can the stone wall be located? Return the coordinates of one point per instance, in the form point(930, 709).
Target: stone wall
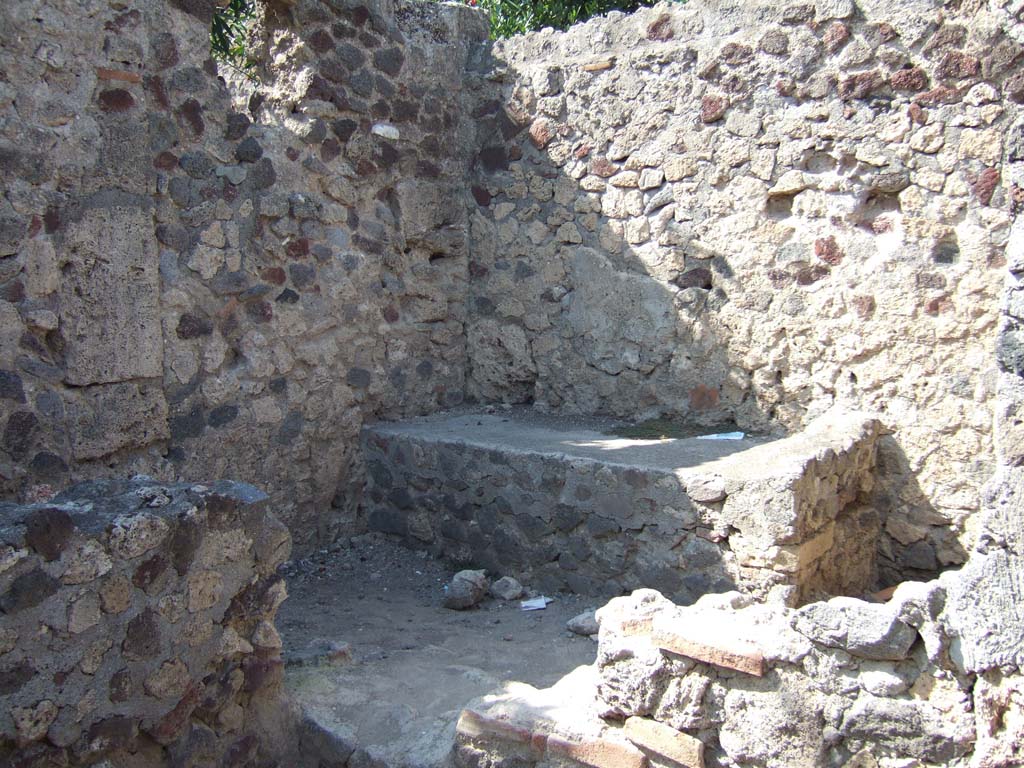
point(138, 625)
point(785, 517)
point(196, 281)
point(753, 212)
point(706, 211)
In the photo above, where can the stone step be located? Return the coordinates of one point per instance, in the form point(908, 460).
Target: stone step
point(563, 505)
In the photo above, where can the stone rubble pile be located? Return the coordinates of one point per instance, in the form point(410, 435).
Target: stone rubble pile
point(731, 682)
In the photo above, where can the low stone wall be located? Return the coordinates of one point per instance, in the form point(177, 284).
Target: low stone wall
point(138, 618)
point(787, 514)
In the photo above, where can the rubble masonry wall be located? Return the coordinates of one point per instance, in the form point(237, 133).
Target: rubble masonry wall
point(138, 625)
point(754, 212)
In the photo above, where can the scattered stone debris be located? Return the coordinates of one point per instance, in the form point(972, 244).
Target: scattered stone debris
point(321, 651)
point(466, 590)
point(584, 624)
point(507, 588)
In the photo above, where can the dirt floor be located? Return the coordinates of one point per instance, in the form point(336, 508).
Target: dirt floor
point(377, 662)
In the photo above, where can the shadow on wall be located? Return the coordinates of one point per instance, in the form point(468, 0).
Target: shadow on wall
point(672, 217)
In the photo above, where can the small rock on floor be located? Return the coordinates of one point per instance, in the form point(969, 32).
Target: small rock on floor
point(585, 624)
point(466, 590)
point(507, 588)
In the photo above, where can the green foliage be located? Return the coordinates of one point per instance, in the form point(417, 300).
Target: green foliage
point(228, 35)
point(513, 17)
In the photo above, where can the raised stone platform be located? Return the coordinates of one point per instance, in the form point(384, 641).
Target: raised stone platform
point(562, 504)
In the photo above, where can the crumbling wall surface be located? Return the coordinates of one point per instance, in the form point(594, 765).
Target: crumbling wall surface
point(828, 684)
point(729, 682)
point(138, 625)
point(196, 284)
point(755, 211)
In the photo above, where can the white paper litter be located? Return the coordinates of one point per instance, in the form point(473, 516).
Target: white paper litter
point(723, 436)
point(536, 603)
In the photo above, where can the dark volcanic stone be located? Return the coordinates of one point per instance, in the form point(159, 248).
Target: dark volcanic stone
point(48, 466)
point(192, 326)
point(120, 687)
point(222, 415)
point(28, 591)
point(18, 433)
point(11, 387)
point(389, 60)
point(13, 678)
point(358, 377)
point(290, 428)
point(198, 165)
point(114, 734)
point(237, 126)
point(48, 531)
point(184, 543)
point(494, 159)
point(142, 638)
point(303, 275)
point(248, 150)
point(696, 278)
point(187, 425)
point(263, 174)
point(147, 574)
point(173, 236)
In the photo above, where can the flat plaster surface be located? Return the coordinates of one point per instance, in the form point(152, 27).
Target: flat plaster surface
point(571, 438)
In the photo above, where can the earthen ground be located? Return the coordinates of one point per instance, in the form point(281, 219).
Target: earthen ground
point(412, 664)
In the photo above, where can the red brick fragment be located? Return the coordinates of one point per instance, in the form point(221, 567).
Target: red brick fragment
point(712, 109)
point(597, 752)
point(117, 74)
point(665, 741)
point(911, 79)
point(835, 36)
point(541, 133)
point(603, 167)
point(711, 640)
point(116, 100)
point(660, 29)
point(828, 250)
point(985, 185)
point(862, 85)
point(703, 397)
